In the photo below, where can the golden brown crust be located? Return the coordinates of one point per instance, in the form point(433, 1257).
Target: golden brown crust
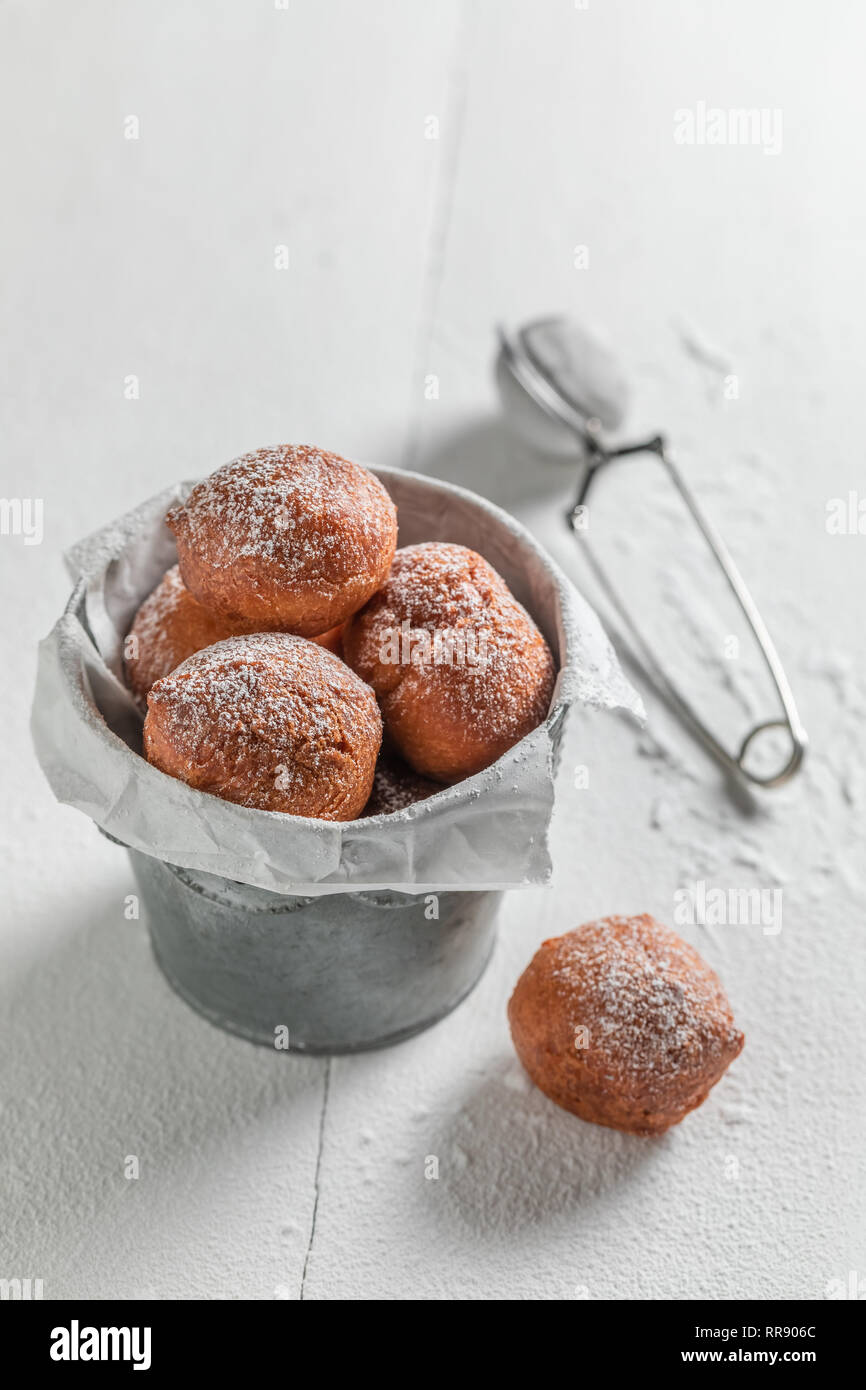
point(622, 1023)
point(271, 721)
point(171, 625)
point(332, 640)
point(290, 539)
point(460, 669)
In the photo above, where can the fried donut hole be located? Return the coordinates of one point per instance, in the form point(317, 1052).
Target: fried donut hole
point(171, 625)
point(289, 539)
point(460, 670)
point(622, 1023)
point(269, 721)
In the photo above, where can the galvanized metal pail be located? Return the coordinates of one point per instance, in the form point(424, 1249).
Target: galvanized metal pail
point(338, 973)
point(370, 958)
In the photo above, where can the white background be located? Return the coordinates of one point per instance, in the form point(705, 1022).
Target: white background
point(266, 1176)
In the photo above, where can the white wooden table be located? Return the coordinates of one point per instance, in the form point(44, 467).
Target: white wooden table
point(305, 134)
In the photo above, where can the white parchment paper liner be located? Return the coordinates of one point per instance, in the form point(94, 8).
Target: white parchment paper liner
point(487, 832)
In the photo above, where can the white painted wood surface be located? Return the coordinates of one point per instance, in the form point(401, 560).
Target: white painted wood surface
point(307, 128)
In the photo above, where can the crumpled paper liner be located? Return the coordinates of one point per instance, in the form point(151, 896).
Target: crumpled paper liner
point(488, 832)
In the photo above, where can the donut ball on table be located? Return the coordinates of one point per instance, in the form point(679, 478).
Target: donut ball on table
point(290, 539)
point(622, 1023)
point(171, 625)
point(270, 721)
point(460, 670)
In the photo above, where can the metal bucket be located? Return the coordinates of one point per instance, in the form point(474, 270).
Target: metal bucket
point(362, 965)
point(343, 972)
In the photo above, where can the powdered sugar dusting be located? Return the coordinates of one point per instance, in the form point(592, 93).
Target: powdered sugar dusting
point(312, 514)
point(440, 588)
point(396, 786)
point(650, 1002)
point(268, 720)
point(170, 626)
point(151, 625)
